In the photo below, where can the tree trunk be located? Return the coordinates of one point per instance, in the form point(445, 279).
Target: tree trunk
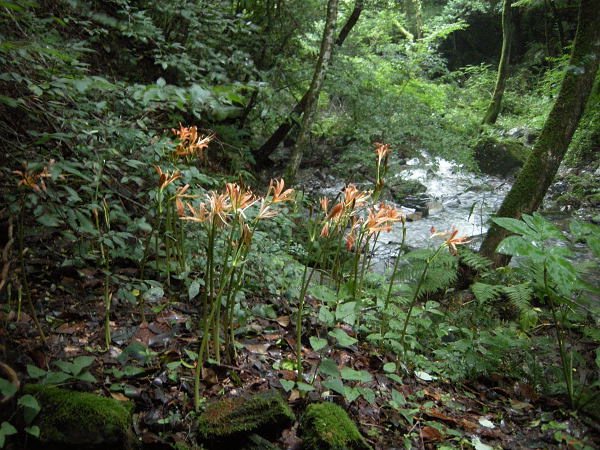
point(263, 153)
point(313, 91)
point(352, 19)
point(414, 17)
point(493, 110)
point(549, 150)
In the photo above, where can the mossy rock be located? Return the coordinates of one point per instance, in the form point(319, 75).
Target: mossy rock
point(326, 426)
point(78, 420)
point(405, 189)
point(232, 420)
point(500, 156)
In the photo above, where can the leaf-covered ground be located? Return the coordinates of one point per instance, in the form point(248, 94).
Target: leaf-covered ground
point(151, 363)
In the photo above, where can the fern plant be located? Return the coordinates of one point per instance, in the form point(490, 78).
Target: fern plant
point(554, 278)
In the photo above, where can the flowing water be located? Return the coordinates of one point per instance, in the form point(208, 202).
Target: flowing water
point(454, 197)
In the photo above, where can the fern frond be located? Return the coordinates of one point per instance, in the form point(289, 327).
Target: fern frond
point(474, 260)
point(485, 292)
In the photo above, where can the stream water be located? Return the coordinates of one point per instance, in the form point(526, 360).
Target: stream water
point(454, 197)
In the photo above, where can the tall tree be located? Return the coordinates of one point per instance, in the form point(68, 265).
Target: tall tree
point(314, 90)
point(549, 150)
point(414, 13)
point(493, 109)
point(263, 153)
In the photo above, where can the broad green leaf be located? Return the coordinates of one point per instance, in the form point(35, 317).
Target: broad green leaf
point(67, 367)
point(342, 337)
point(194, 289)
point(6, 429)
point(351, 393)
point(287, 385)
point(31, 407)
point(304, 387)
point(330, 368)
point(34, 431)
point(346, 312)
point(49, 220)
point(56, 378)
point(356, 375)
point(324, 293)
point(82, 362)
point(326, 316)
point(317, 343)
point(35, 372)
point(154, 294)
point(398, 398)
point(335, 384)
point(514, 225)
point(367, 393)
point(7, 389)
point(389, 367)
point(86, 376)
point(515, 246)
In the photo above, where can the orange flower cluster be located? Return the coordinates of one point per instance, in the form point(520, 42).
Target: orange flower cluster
point(219, 209)
point(382, 151)
point(451, 240)
point(164, 178)
point(379, 219)
point(34, 180)
point(191, 143)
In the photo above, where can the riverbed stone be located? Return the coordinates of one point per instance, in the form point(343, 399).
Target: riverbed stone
point(326, 426)
point(79, 420)
point(405, 190)
point(229, 421)
point(502, 157)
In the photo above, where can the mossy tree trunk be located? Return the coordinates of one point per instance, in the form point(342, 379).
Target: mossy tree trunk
point(495, 105)
point(549, 150)
point(414, 16)
point(263, 153)
point(313, 91)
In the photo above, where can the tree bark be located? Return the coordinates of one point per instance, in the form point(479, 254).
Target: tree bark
point(495, 105)
point(352, 19)
point(314, 91)
point(263, 153)
point(549, 150)
point(414, 16)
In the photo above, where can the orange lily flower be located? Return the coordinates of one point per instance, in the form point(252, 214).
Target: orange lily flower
point(279, 195)
point(382, 150)
point(164, 179)
point(353, 198)
point(31, 179)
point(452, 241)
point(191, 143)
point(240, 199)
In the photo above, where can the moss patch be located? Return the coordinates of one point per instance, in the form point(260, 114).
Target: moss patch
point(326, 426)
point(499, 156)
point(232, 419)
point(80, 420)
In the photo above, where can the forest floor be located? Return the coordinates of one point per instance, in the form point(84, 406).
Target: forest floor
point(408, 410)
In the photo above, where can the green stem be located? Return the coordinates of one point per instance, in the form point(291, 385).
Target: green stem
point(565, 359)
point(386, 321)
point(415, 297)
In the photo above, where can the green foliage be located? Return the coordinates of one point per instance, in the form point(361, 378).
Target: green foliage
point(70, 371)
point(555, 279)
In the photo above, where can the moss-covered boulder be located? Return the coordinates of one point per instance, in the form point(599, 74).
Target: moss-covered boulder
point(231, 420)
point(407, 190)
point(78, 420)
point(500, 157)
point(326, 426)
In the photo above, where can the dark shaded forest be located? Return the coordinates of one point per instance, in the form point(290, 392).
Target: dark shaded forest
point(299, 224)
